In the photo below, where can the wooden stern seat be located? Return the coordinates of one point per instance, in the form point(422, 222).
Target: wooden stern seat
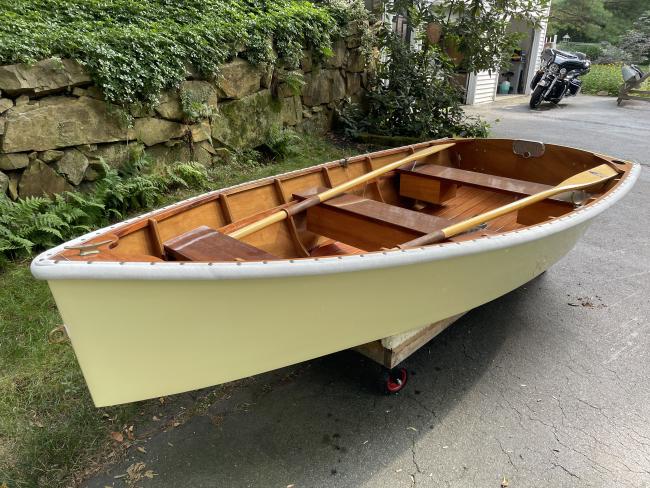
point(433, 183)
point(367, 224)
point(205, 244)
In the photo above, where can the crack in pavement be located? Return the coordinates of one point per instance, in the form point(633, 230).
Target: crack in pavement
point(570, 473)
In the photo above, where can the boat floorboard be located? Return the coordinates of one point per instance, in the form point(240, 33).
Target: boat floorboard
point(470, 201)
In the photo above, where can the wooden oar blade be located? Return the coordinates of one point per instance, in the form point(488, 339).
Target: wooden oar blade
point(593, 176)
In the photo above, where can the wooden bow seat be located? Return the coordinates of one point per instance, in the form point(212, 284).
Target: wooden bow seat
point(367, 224)
point(436, 184)
point(205, 244)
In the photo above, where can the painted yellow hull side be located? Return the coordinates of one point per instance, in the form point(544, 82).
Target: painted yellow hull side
point(140, 339)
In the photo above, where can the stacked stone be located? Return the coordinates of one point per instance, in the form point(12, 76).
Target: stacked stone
point(56, 128)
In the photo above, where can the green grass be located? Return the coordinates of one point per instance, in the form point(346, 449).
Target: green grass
point(608, 78)
point(49, 429)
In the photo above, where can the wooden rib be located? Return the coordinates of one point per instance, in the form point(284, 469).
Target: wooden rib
point(368, 161)
point(156, 241)
point(293, 231)
point(280, 190)
point(225, 208)
point(326, 176)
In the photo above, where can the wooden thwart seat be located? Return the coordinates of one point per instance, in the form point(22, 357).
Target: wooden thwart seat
point(434, 183)
point(367, 224)
point(207, 245)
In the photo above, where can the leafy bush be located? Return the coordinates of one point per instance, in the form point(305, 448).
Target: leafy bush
point(134, 50)
point(412, 93)
point(637, 40)
point(613, 54)
point(35, 223)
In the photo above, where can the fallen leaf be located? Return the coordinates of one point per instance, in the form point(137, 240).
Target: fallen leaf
point(135, 473)
point(117, 436)
point(142, 449)
point(505, 483)
point(170, 444)
point(155, 419)
point(412, 428)
point(290, 486)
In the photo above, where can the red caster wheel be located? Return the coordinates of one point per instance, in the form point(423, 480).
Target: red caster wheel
point(394, 380)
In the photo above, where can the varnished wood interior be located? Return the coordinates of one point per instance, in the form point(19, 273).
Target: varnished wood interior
point(472, 177)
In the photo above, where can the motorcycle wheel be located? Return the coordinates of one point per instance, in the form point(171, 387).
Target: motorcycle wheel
point(537, 97)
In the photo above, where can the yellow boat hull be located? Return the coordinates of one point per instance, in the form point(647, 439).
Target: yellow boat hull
point(138, 339)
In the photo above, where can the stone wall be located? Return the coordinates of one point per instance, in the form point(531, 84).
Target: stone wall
point(55, 127)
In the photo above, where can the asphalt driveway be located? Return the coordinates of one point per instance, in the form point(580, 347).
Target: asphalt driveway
point(545, 387)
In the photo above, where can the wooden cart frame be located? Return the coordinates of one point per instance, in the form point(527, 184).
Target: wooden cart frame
point(630, 90)
point(389, 352)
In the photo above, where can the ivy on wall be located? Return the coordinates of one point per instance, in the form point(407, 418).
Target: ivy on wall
point(134, 50)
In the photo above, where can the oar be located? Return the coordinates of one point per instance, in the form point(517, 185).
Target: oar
point(333, 192)
point(591, 177)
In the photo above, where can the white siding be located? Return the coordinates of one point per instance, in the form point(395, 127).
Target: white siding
point(539, 41)
point(542, 41)
point(482, 87)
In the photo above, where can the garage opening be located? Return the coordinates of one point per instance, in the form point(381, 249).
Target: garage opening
point(513, 79)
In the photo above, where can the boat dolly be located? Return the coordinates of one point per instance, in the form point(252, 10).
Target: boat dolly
point(391, 351)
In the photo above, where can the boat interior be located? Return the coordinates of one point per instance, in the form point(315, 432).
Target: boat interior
point(462, 181)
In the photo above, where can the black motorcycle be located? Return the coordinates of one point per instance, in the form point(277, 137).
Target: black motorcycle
point(559, 76)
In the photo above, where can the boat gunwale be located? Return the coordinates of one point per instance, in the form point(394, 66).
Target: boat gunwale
point(44, 267)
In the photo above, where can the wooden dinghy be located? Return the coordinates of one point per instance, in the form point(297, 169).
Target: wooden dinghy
point(280, 270)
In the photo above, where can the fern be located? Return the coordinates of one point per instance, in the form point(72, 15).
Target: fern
point(187, 175)
point(281, 143)
point(294, 80)
point(35, 223)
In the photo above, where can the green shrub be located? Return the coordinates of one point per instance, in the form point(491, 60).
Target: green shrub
point(413, 93)
point(613, 55)
point(134, 50)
